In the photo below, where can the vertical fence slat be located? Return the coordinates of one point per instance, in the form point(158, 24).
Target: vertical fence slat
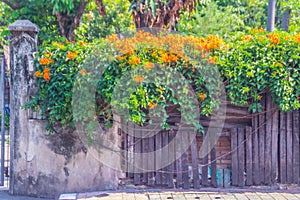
point(130, 151)
point(241, 156)
point(296, 148)
point(144, 160)
point(137, 159)
point(158, 158)
point(268, 150)
point(283, 169)
point(256, 179)
point(151, 161)
point(204, 168)
point(234, 156)
point(261, 137)
point(126, 149)
point(178, 162)
point(205, 171)
point(171, 158)
point(194, 152)
point(275, 132)
point(185, 166)
point(213, 167)
point(289, 147)
point(165, 141)
point(249, 180)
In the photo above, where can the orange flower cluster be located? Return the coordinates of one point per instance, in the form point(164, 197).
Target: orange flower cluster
point(202, 96)
point(287, 37)
point(38, 74)
point(168, 58)
point(152, 105)
point(71, 55)
point(259, 30)
point(82, 72)
point(149, 65)
point(46, 61)
point(47, 74)
point(81, 43)
point(261, 38)
point(47, 55)
point(212, 60)
point(297, 38)
point(274, 38)
point(175, 43)
point(59, 45)
point(134, 60)
point(160, 90)
point(247, 38)
point(138, 79)
point(213, 42)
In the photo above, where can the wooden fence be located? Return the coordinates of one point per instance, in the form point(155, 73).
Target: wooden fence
point(263, 152)
point(187, 171)
point(268, 152)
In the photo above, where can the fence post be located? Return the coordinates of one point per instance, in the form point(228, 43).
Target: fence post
point(23, 43)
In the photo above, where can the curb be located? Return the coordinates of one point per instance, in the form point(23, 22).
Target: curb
point(70, 196)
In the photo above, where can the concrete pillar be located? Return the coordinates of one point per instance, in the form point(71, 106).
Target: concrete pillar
point(23, 43)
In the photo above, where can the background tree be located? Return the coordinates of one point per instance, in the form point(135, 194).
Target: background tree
point(159, 13)
point(271, 15)
point(68, 13)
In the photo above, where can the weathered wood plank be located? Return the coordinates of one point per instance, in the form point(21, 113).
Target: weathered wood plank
point(241, 156)
point(151, 161)
point(213, 167)
point(165, 141)
point(137, 159)
point(268, 150)
point(249, 180)
point(283, 170)
point(296, 147)
point(289, 147)
point(275, 132)
point(178, 162)
point(130, 150)
point(256, 179)
point(234, 156)
point(185, 162)
point(261, 137)
point(158, 158)
point(171, 158)
point(204, 168)
point(194, 152)
point(145, 143)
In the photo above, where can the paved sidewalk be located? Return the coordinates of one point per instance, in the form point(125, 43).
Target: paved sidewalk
point(191, 195)
point(5, 196)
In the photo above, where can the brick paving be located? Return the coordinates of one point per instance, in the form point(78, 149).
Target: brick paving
point(175, 195)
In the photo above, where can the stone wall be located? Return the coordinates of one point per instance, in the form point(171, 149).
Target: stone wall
point(46, 165)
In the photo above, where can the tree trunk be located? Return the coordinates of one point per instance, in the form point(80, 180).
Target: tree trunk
point(68, 23)
point(285, 22)
point(271, 15)
point(158, 14)
point(101, 8)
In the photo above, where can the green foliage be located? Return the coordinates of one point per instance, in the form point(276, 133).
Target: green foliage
point(142, 74)
point(294, 7)
point(37, 11)
point(56, 69)
point(260, 62)
point(6, 121)
point(210, 19)
point(116, 20)
point(252, 12)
